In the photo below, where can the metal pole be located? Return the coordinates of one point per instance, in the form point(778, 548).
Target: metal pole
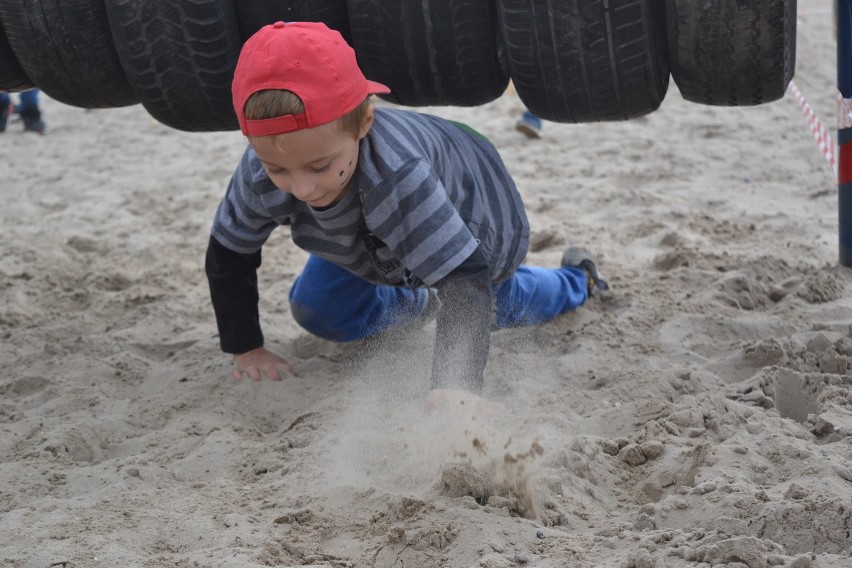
point(843, 9)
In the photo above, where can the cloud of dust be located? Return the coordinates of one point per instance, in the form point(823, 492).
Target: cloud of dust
point(386, 436)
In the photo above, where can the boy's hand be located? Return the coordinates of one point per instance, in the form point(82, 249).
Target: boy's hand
point(259, 362)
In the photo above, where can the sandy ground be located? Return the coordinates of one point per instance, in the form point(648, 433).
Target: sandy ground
point(699, 416)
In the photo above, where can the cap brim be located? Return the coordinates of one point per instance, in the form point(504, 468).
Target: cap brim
point(377, 88)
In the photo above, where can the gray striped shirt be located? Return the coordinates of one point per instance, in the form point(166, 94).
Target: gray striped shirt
point(425, 194)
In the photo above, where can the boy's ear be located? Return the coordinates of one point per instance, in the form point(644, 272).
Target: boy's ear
point(367, 122)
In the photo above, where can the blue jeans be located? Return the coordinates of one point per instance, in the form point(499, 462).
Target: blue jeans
point(334, 304)
point(28, 99)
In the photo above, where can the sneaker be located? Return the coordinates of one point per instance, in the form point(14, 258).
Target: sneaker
point(584, 259)
point(529, 125)
point(32, 120)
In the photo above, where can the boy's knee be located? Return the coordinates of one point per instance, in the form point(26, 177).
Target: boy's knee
point(313, 322)
point(308, 319)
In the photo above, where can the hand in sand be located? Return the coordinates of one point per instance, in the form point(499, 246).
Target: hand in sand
point(259, 362)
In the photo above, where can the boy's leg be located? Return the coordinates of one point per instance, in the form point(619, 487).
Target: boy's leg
point(29, 99)
point(534, 295)
point(334, 304)
point(30, 113)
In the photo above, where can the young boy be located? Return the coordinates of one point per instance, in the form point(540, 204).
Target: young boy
point(404, 214)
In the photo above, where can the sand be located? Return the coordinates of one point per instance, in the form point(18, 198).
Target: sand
point(700, 415)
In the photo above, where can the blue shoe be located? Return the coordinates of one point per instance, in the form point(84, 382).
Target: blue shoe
point(584, 259)
point(529, 125)
point(32, 120)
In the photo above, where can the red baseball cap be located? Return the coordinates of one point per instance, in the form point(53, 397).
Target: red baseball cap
point(307, 58)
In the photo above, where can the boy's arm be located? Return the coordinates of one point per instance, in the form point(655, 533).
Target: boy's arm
point(233, 289)
point(463, 326)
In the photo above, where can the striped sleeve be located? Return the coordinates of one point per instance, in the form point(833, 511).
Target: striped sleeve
point(419, 224)
point(242, 223)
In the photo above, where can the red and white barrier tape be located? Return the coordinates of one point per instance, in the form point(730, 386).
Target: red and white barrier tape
point(820, 132)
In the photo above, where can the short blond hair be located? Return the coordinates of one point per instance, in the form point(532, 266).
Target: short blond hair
point(273, 103)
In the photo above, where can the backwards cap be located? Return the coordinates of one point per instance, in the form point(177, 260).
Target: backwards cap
point(307, 58)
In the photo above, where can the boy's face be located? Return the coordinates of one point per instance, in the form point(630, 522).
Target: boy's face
point(314, 165)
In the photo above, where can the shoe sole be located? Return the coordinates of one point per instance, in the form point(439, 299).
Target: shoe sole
point(528, 130)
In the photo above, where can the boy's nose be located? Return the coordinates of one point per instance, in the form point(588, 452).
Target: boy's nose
point(301, 188)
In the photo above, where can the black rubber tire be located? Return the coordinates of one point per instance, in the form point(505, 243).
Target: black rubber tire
point(65, 48)
point(179, 57)
point(430, 53)
point(13, 78)
point(732, 52)
point(579, 61)
point(255, 14)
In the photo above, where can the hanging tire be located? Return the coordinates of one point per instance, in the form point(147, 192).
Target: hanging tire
point(255, 14)
point(179, 57)
point(587, 60)
point(65, 47)
point(430, 53)
point(13, 78)
point(732, 52)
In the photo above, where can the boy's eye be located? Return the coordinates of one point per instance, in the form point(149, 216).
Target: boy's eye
point(277, 171)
